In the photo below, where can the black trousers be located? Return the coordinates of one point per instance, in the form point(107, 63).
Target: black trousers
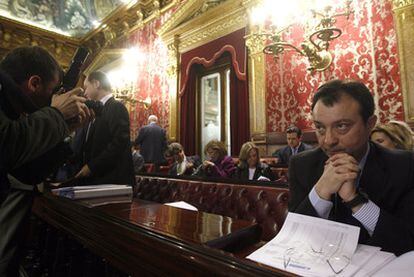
point(14, 220)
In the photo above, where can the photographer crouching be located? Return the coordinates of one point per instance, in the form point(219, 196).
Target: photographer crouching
point(34, 133)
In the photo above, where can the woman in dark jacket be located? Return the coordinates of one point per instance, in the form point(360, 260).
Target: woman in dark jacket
point(250, 167)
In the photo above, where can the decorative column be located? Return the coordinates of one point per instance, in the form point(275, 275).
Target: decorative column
point(404, 18)
point(173, 69)
point(257, 85)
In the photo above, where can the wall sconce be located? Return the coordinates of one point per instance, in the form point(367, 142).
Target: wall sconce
point(126, 94)
point(123, 77)
point(317, 39)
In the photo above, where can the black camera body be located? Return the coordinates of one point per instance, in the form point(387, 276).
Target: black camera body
point(71, 78)
point(96, 106)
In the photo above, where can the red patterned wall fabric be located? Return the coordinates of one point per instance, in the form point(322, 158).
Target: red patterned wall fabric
point(367, 51)
point(152, 77)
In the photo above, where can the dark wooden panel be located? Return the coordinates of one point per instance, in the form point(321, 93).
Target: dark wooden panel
point(137, 249)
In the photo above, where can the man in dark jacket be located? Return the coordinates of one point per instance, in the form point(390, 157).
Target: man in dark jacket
point(152, 141)
point(106, 152)
point(183, 165)
point(350, 180)
point(32, 138)
point(295, 145)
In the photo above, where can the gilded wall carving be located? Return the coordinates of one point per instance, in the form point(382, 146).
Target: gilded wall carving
point(402, 3)
point(404, 18)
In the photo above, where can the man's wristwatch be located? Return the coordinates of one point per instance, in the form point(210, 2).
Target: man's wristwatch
point(360, 198)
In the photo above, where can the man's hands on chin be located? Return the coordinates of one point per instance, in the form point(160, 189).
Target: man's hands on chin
point(84, 172)
point(339, 176)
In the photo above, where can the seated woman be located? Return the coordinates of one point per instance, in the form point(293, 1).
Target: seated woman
point(392, 136)
point(406, 133)
point(217, 164)
point(250, 167)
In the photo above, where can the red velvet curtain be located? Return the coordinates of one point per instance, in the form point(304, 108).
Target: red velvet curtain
point(188, 113)
point(206, 56)
point(239, 113)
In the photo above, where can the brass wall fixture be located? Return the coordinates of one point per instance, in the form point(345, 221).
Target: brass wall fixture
point(320, 31)
point(126, 95)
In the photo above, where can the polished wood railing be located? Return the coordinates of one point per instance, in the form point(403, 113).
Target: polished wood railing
point(146, 238)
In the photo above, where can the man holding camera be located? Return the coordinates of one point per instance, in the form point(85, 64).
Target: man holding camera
point(105, 154)
point(33, 129)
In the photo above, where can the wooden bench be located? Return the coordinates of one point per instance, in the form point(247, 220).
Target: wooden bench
point(266, 205)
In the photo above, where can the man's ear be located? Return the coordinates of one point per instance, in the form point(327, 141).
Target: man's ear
point(34, 83)
point(96, 84)
point(371, 122)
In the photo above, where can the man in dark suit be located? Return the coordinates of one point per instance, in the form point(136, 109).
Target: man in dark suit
point(152, 141)
point(295, 145)
point(106, 153)
point(183, 165)
point(349, 179)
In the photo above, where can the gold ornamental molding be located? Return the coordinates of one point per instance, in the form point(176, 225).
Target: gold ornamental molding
point(200, 37)
point(402, 3)
point(218, 21)
point(13, 34)
point(404, 19)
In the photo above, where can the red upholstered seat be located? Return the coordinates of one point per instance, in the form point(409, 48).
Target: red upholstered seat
point(280, 172)
point(270, 161)
point(149, 168)
point(264, 205)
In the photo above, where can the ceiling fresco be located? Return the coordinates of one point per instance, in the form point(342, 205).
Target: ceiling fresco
point(73, 18)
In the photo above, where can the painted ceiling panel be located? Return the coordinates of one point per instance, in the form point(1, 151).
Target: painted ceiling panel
point(73, 18)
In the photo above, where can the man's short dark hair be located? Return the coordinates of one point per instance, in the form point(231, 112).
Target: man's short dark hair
point(293, 129)
point(332, 91)
point(23, 62)
point(174, 148)
point(101, 78)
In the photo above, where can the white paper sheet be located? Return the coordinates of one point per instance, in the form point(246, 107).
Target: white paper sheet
point(363, 254)
point(375, 263)
point(182, 205)
point(310, 246)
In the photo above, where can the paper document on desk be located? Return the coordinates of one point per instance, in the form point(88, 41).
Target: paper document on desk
point(182, 205)
point(83, 192)
point(375, 263)
point(310, 246)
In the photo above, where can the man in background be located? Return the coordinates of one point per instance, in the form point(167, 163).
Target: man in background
point(105, 153)
point(137, 158)
point(183, 165)
point(33, 139)
point(152, 141)
point(295, 145)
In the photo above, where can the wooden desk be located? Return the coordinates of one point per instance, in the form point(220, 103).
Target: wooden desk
point(149, 238)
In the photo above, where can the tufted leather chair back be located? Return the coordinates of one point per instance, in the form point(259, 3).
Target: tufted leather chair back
point(265, 205)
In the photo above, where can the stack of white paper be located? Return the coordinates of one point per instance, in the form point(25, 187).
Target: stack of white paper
point(83, 192)
point(310, 246)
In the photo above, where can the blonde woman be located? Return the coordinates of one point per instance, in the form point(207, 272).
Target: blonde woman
point(250, 167)
point(405, 132)
point(392, 136)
